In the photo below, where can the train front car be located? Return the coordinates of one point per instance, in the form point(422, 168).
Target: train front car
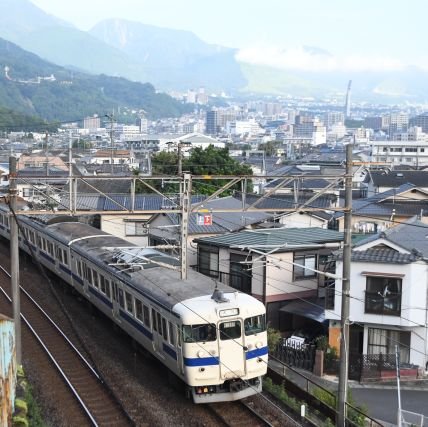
point(225, 349)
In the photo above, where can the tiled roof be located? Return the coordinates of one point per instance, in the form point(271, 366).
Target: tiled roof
point(223, 222)
point(396, 178)
point(383, 255)
point(285, 201)
point(285, 238)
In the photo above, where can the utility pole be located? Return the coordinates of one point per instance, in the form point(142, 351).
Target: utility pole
point(397, 368)
point(185, 196)
point(14, 259)
point(180, 159)
point(346, 274)
point(70, 171)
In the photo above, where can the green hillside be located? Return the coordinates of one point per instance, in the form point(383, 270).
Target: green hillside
point(72, 95)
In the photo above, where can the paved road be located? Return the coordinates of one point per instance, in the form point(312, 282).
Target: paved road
point(382, 404)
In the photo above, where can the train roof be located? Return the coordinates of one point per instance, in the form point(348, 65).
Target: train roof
point(159, 283)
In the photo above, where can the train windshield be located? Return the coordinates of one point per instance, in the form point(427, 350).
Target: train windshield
point(254, 325)
point(199, 333)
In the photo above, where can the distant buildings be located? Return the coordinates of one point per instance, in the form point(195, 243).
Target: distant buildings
point(93, 122)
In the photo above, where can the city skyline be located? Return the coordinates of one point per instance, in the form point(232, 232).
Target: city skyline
point(335, 36)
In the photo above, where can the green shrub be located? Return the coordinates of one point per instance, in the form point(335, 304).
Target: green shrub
point(19, 421)
point(21, 407)
point(274, 337)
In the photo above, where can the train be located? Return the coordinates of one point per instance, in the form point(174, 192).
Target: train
point(209, 335)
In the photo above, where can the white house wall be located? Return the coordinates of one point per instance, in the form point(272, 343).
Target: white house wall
point(116, 225)
point(413, 299)
point(301, 220)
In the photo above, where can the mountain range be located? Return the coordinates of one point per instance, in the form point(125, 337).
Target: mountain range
point(179, 60)
point(33, 86)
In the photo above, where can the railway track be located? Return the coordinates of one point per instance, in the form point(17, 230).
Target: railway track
point(246, 413)
point(81, 392)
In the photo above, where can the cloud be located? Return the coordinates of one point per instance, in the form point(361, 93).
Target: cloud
point(310, 60)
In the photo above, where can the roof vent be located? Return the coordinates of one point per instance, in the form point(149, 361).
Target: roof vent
point(218, 296)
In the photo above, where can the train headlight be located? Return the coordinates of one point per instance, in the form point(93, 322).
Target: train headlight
point(259, 344)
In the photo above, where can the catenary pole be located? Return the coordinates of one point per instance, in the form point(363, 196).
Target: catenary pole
point(14, 260)
point(344, 340)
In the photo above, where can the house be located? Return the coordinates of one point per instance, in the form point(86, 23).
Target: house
point(379, 181)
point(115, 157)
point(165, 228)
point(277, 266)
point(31, 185)
point(389, 294)
point(387, 209)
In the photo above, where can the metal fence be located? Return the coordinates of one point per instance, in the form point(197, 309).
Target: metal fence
point(297, 355)
point(413, 419)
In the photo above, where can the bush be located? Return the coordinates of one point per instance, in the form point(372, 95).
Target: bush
point(274, 337)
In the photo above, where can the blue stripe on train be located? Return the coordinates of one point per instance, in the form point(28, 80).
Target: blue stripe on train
point(137, 325)
point(77, 278)
point(201, 361)
point(47, 257)
point(64, 268)
point(100, 297)
point(169, 351)
point(256, 353)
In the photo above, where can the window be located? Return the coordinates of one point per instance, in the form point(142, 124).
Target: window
point(254, 325)
point(411, 150)
point(383, 341)
point(164, 329)
point(139, 310)
point(159, 323)
point(62, 256)
point(208, 260)
point(383, 296)
point(79, 268)
point(240, 273)
point(154, 320)
point(121, 299)
point(305, 267)
point(230, 330)
point(199, 333)
point(136, 228)
point(171, 333)
point(95, 278)
point(128, 298)
point(146, 314)
point(27, 192)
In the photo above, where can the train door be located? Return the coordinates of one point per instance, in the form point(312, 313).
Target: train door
point(231, 345)
point(180, 360)
point(157, 332)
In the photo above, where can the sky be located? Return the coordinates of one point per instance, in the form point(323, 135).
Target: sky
point(357, 34)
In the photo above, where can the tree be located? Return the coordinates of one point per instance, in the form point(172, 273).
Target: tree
point(214, 161)
point(211, 161)
point(269, 147)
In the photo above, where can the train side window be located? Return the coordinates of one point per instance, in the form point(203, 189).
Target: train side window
point(79, 268)
point(139, 310)
point(199, 333)
point(95, 278)
point(102, 284)
point(121, 299)
point(159, 322)
point(164, 329)
point(155, 328)
point(64, 257)
point(128, 298)
point(146, 316)
point(108, 293)
point(171, 334)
